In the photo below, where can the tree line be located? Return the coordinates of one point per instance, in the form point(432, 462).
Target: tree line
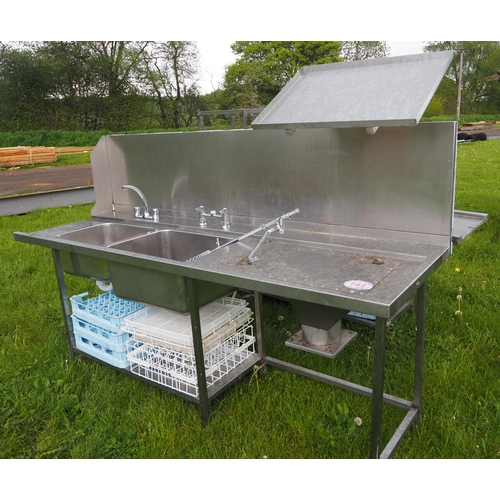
point(113, 85)
point(124, 85)
point(479, 96)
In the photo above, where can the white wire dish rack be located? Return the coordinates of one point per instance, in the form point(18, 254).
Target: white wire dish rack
point(161, 346)
point(170, 329)
point(177, 370)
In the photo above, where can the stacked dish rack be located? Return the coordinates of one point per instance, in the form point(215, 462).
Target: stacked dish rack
point(97, 326)
point(161, 344)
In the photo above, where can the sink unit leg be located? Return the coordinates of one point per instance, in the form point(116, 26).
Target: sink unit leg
point(419, 350)
point(378, 385)
point(259, 326)
point(194, 311)
point(63, 294)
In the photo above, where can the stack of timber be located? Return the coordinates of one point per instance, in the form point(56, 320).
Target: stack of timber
point(73, 150)
point(480, 124)
point(25, 155)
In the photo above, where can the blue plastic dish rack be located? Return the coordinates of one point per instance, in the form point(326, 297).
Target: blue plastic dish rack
point(106, 310)
point(96, 345)
point(97, 333)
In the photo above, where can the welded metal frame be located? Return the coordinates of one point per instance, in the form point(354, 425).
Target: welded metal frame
point(376, 394)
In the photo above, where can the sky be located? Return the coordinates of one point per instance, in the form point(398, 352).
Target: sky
point(217, 54)
point(215, 25)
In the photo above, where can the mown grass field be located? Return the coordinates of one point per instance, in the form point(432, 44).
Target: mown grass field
point(54, 407)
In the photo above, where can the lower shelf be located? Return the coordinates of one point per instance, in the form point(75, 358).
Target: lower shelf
point(177, 370)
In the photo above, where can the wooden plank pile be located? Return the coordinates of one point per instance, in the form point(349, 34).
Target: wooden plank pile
point(479, 124)
point(25, 155)
point(71, 150)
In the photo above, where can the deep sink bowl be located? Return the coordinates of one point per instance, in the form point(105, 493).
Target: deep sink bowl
point(164, 289)
point(170, 244)
point(105, 234)
point(102, 235)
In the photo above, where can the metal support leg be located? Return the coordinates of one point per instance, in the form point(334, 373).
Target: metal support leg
point(413, 415)
point(258, 323)
point(198, 350)
point(63, 294)
point(419, 350)
point(378, 385)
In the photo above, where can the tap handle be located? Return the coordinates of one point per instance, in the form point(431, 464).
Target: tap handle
point(280, 225)
point(202, 222)
point(225, 219)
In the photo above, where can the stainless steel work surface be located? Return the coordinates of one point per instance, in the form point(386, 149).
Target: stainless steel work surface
point(371, 93)
point(288, 266)
point(323, 273)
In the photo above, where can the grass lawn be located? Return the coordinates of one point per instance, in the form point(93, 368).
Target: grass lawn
point(54, 407)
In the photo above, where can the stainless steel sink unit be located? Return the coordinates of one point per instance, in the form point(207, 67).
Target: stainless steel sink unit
point(376, 210)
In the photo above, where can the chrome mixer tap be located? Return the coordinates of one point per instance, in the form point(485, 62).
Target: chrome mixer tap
point(202, 221)
point(137, 210)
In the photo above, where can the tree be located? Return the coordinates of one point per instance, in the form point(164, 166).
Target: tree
point(26, 89)
point(117, 64)
point(264, 68)
point(480, 59)
point(356, 51)
point(118, 61)
point(170, 75)
point(112, 85)
point(79, 87)
point(4, 47)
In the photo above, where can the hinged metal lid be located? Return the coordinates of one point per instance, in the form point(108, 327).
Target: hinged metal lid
point(388, 91)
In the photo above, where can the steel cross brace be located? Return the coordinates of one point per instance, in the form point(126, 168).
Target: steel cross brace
point(377, 395)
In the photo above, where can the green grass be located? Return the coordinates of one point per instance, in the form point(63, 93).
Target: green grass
point(54, 407)
point(61, 138)
point(56, 138)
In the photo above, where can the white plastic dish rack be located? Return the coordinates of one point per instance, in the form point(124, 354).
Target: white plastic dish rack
point(177, 370)
point(219, 321)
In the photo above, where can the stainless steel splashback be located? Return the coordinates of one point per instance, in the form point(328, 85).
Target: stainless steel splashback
point(400, 179)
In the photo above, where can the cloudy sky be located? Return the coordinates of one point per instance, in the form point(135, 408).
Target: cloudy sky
point(215, 25)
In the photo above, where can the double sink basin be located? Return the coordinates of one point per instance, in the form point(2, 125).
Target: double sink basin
point(135, 282)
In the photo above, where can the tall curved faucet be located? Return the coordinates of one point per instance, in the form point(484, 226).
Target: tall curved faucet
point(146, 214)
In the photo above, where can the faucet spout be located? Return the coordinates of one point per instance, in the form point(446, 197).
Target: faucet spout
point(146, 214)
